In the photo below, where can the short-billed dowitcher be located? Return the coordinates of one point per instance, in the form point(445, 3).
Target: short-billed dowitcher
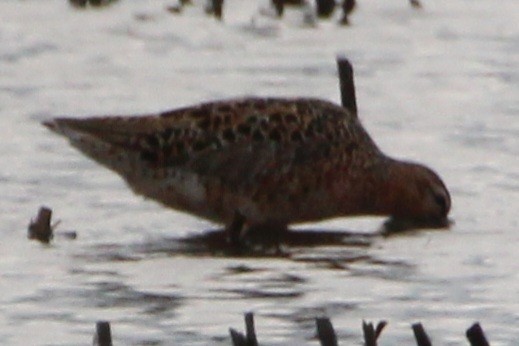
point(261, 162)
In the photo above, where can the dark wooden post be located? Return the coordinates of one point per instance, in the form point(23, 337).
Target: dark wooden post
point(238, 339)
point(103, 335)
point(218, 9)
point(347, 8)
point(371, 334)
point(476, 336)
point(78, 3)
point(420, 335)
point(325, 332)
point(279, 5)
point(415, 3)
point(325, 8)
point(249, 329)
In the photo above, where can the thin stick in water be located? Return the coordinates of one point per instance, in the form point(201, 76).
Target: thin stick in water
point(347, 84)
point(40, 228)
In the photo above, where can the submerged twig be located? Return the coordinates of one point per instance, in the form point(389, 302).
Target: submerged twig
point(94, 3)
point(40, 228)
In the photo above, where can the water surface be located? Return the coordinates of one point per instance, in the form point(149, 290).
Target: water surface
point(437, 86)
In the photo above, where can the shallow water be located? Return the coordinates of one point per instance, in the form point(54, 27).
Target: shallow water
point(439, 86)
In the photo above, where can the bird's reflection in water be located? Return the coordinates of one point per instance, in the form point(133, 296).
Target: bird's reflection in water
point(332, 249)
point(284, 245)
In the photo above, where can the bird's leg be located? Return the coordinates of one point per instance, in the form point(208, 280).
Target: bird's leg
point(235, 228)
point(268, 235)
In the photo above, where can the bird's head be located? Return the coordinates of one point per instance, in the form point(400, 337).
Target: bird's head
point(419, 198)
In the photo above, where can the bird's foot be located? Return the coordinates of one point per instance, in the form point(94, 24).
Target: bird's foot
point(243, 238)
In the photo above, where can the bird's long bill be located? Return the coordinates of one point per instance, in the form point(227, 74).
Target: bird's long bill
point(397, 225)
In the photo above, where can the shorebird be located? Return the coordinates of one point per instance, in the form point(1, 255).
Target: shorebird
point(262, 163)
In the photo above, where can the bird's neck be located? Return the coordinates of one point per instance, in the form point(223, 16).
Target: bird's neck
point(396, 186)
point(384, 190)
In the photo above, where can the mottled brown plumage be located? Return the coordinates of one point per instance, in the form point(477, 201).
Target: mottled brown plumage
point(272, 161)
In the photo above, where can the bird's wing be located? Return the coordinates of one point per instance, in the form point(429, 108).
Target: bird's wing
point(235, 141)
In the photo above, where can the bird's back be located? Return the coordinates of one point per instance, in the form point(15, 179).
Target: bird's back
point(267, 156)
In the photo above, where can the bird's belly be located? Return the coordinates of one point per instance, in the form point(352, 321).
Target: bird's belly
point(212, 200)
point(179, 190)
